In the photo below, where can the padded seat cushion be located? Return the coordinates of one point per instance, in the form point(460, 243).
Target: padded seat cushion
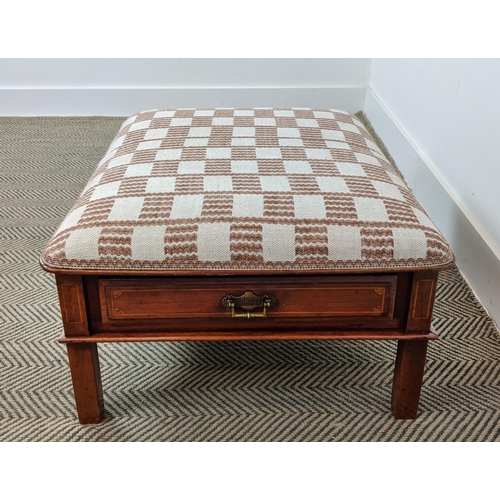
point(263, 189)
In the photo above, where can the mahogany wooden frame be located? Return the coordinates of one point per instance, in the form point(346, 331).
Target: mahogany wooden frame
point(89, 318)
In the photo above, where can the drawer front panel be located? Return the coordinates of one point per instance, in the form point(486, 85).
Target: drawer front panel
point(299, 302)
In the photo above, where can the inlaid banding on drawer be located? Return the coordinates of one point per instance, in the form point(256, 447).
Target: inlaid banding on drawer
point(164, 299)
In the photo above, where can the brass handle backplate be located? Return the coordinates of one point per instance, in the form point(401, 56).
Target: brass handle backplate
point(248, 302)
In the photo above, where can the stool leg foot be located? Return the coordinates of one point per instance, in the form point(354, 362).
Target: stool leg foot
point(86, 376)
point(408, 375)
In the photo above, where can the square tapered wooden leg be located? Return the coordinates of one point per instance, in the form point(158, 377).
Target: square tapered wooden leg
point(86, 376)
point(408, 376)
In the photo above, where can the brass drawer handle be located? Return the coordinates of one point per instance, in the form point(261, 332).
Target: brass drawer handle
point(248, 302)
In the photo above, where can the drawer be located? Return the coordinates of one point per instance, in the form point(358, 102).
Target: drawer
point(303, 302)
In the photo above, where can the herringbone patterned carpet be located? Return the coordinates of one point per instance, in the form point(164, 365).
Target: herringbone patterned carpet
point(241, 391)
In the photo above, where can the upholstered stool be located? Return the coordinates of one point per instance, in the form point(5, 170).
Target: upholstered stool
point(241, 224)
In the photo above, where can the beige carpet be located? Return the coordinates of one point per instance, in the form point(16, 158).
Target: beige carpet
point(239, 391)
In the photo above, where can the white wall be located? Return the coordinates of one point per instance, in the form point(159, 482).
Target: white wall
point(440, 119)
point(125, 86)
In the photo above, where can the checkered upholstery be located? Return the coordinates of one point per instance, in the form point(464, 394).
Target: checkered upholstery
point(279, 190)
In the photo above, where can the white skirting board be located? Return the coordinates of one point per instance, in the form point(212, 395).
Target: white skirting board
point(128, 101)
point(477, 260)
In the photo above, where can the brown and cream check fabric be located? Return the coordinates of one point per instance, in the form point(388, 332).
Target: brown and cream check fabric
point(268, 189)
